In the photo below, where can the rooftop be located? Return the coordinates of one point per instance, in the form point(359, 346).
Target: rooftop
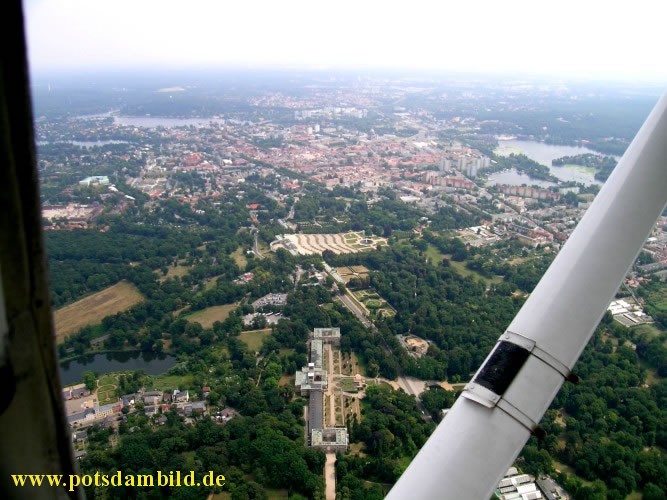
point(320, 333)
point(330, 436)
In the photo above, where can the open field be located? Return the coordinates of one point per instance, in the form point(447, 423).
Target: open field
point(92, 309)
point(173, 272)
point(309, 244)
point(206, 317)
point(239, 257)
point(254, 339)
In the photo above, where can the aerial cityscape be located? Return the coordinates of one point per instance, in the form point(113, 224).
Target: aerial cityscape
point(288, 242)
point(289, 279)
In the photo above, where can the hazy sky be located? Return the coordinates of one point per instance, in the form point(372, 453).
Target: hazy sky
point(587, 38)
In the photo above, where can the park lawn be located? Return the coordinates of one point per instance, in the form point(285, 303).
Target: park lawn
point(166, 382)
point(210, 283)
point(434, 255)
point(435, 258)
point(460, 267)
point(107, 380)
point(106, 397)
point(254, 339)
point(658, 299)
point(106, 389)
point(570, 471)
point(648, 328)
point(347, 384)
point(357, 449)
point(173, 272)
point(206, 317)
point(359, 364)
point(380, 383)
point(239, 257)
point(91, 310)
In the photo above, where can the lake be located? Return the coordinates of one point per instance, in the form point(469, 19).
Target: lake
point(90, 144)
point(82, 144)
point(150, 363)
point(513, 177)
point(544, 154)
point(156, 121)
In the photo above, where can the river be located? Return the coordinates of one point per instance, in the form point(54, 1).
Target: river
point(544, 154)
point(150, 363)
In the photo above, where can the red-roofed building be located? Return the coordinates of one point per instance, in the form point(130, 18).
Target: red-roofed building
point(192, 160)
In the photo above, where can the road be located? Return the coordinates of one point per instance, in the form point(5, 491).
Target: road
point(290, 216)
point(298, 273)
point(411, 385)
point(255, 246)
point(330, 476)
point(354, 309)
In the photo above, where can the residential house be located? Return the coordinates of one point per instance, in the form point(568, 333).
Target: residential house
point(152, 398)
point(198, 407)
point(181, 396)
point(127, 400)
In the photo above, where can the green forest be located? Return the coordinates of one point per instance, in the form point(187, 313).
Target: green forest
point(610, 430)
